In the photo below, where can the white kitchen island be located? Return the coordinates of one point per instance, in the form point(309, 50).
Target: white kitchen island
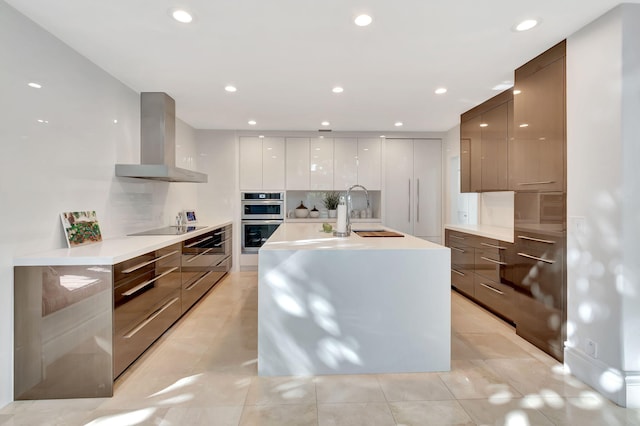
point(353, 305)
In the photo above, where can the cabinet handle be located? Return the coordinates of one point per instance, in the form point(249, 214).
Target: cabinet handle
point(143, 264)
point(493, 261)
point(524, 237)
point(545, 182)
point(537, 258)
point(409, 204)
point(418, 201)
point(199, 280)
point(457, 249)
point(146, 283)
point(458, 272)
point(491, 288)
point(198, 255)
point(493, 246)
point(150, 318)
point(199, 241)
point(456, 237)
point(221, 243)
point(218, 233)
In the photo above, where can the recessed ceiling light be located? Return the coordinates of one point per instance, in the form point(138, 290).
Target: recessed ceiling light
point(252, 122)
point(484, 125)
point(35, 85)
point(337, 89)
point(115, 121)
point(182, 16)
point(230, 88)
point(525, 25)
point(325, 123)
point(398, 124)
point(363, 20)
point(517, 92)
point(441, 91)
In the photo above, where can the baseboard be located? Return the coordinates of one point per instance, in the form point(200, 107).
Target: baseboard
point(625, 391)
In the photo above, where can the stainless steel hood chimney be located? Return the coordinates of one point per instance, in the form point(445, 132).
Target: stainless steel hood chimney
point(158, 143)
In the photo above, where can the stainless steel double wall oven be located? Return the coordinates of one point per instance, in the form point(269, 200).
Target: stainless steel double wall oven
point(262, 213)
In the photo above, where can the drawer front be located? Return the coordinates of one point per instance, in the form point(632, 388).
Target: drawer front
point(133, 297)
point(462, 256)
point(201, 282)
point(497, 297)
point(459, 238)
point(141, 265)
point(131, 341)
point(462, 280)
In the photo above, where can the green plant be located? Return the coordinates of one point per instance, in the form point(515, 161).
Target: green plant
point(331, 200)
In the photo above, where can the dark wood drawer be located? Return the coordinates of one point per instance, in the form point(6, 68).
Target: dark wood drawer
point(462, 257)
point(462, 280)
point(495, 296)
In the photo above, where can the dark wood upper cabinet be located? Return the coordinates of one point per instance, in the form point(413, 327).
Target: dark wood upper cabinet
point(537, 154)
point(484, 137)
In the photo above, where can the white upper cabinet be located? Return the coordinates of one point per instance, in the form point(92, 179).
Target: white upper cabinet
point(320, 164)
point(297, 164)
point(262, 163)
point(369, 163)
point(345, 160)
point(250, 163)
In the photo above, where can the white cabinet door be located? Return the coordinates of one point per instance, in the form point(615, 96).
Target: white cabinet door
point(297, 163)
point(345, 157)
point(427, 174)
point(250, 163)
point(320, 164)
point(399, 185)
point(369, 163)
point(273, 153)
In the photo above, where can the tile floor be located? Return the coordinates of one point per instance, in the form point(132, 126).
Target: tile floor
point(203, 372)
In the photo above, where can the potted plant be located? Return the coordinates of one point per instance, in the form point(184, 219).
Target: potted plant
point(330, 201)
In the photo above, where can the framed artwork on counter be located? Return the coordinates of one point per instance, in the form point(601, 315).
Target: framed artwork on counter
point(81, 228)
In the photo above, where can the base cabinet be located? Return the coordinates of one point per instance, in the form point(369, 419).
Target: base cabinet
point(78, 327)
point(478, 268)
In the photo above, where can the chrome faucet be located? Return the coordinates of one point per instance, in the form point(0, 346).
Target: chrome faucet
point(366, 194)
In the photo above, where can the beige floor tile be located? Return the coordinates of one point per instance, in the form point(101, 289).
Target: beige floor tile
point(212, 416)
point(503, 411)
point(6, 419)
point(150, 416)
point(419, 413)
point(355, 414)
point(348, 388)
point(460, 349)
point(589, 410)
point(493, 345)
point(414, 387)
point(474, 379)
point(279, 415)
point(281, 390)
point(530, 376)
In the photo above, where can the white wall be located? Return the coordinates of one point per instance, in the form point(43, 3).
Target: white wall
point(69, 162)
point(603, 245)
point(497, 208)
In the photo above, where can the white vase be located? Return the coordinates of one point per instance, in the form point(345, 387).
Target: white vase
point(333, 213)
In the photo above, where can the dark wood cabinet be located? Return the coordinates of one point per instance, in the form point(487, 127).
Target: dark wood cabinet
point(484, 142)
point(537, 152)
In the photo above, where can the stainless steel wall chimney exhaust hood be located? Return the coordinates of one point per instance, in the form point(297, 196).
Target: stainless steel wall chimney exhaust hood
point(158, 143)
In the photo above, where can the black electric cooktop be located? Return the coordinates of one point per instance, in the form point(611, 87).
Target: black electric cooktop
point(170, 230)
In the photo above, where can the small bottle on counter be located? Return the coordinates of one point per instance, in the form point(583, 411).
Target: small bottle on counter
point(341, 223)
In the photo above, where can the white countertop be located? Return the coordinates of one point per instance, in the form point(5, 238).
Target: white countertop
point(331, 220)
point(110, 251)
point(309, 236)
point(495, 232)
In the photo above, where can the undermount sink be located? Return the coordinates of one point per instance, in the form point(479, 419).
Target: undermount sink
point(377, 233)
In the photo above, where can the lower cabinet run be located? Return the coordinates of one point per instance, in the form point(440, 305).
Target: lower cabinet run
point(478, 270)
point(78, 327)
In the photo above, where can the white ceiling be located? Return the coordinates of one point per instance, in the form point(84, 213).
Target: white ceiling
point(285, 56)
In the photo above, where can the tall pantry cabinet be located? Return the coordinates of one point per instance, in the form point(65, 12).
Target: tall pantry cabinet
point(413, 187)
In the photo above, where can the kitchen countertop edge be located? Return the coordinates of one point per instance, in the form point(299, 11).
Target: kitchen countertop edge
point(111, 250)
point(487, 231)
